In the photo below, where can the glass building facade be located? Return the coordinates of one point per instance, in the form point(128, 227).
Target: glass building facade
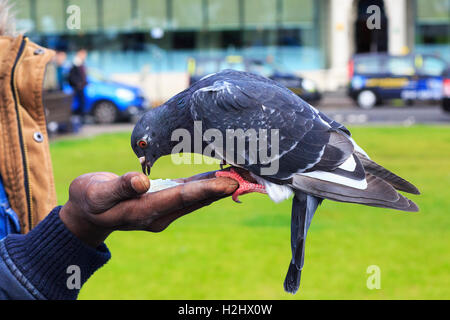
point(161, 35)
point(126, 35)
point(432, 29)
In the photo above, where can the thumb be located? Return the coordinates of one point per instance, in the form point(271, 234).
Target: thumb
point(127, 186)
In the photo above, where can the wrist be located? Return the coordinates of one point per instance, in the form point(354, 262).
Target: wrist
point(77, 222)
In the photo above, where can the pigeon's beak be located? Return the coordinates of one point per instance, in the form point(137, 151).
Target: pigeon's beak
point(146, 166)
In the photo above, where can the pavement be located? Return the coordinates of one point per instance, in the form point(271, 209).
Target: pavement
point(343, 109)
point(389, 115)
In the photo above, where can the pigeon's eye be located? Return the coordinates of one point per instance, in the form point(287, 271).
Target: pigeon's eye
point(142, 144)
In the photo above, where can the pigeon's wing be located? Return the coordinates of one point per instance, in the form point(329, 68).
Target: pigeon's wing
point(289, 132)
point(255, 77)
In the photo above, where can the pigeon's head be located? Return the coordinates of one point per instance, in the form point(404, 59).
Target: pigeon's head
point(148, 137)
point(151, 137)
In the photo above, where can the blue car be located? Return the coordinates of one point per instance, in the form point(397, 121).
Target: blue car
point(109, 101)
point(378, 77)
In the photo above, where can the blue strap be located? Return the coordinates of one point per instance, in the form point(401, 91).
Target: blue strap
point(9, 222)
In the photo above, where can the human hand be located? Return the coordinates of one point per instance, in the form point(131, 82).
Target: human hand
point(100, 203)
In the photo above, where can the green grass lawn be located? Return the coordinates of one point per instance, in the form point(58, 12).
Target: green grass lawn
point(242, 251)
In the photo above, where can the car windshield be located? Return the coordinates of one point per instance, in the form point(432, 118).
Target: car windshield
point(367, 65)
point(430, 66)
point(261, 68)
point(401, 65)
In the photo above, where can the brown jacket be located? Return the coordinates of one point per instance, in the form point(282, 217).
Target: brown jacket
point(25, 163)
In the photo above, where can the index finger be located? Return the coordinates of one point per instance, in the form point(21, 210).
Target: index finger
point(186, 194)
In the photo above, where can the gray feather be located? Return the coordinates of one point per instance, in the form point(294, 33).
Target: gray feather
point(303, 208)
point(378, 193)
point(388, 176)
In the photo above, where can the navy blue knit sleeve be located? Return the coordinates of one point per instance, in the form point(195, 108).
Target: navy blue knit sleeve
point(49, 258)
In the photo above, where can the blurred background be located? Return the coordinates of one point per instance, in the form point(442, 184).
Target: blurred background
point(324, 50)
point(383, 71)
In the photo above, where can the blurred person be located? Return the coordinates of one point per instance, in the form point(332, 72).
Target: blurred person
point(42, 243)
point(55, 72)
point(78, 79)
point(61, 67)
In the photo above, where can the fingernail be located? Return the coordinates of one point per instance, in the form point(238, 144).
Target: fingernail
point(140, 184)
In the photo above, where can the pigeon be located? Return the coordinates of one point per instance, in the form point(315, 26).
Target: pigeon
point(317, 157)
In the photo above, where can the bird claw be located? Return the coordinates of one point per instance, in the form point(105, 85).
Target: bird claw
point(236, 198)
point(244, 185)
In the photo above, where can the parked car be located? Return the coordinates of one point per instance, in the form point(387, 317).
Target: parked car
point(446, 90)
point(304, 88)
point(378, 77)
point(109, 101)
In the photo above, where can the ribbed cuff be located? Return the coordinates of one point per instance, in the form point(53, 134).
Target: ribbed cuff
point(51, 258)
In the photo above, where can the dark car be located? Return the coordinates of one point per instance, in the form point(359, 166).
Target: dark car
point(304, 88)
point(378, 77)
point(446, 90)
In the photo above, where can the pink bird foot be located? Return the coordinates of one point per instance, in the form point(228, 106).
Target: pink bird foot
point(245, 186)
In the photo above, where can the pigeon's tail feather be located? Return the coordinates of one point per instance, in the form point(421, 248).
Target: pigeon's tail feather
point(303, 208)
point(388, 176)
point(378, 192)
point(292, 280)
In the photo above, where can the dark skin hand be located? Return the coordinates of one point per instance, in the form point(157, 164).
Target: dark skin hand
point(100, 203)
